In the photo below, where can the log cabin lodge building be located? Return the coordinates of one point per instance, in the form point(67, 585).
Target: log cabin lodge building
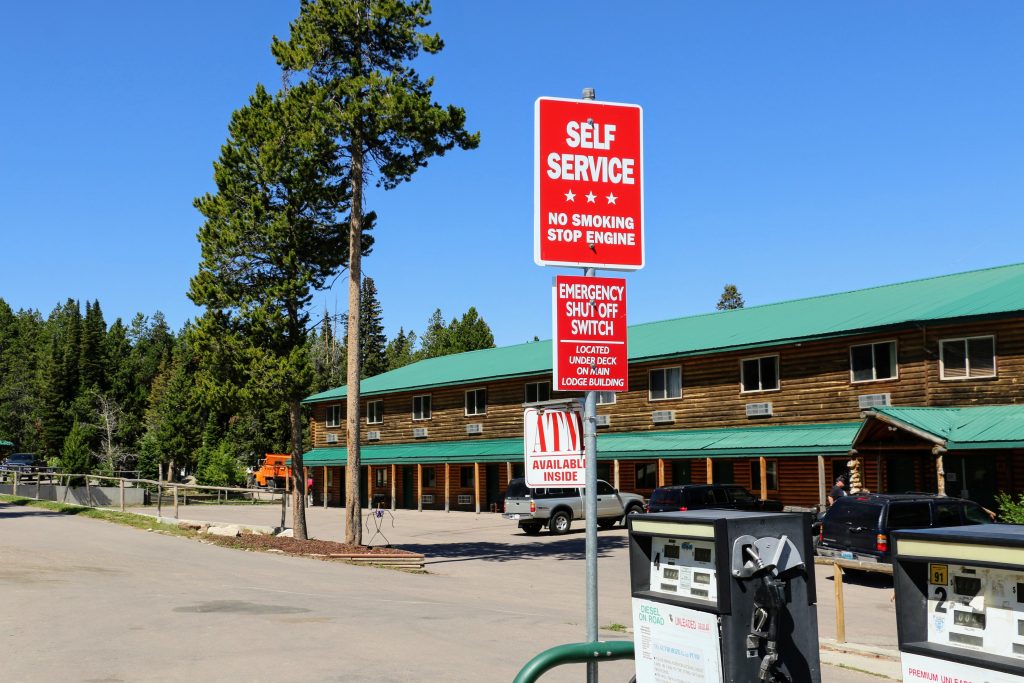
point(920, 382)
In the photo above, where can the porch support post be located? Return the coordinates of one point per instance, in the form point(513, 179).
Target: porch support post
point(821, 481)
point(508, 473)
point(711, 470)
point(327, 491)
point(615, 471)
point(419, 487)
point(369, 486)
point(476, 485)
point(940, 473)
point(764, 478)
point(661, 471)
point(447, 482)
point(394, 476)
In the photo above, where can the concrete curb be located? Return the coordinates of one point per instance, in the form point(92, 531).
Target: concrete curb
point(877, 661)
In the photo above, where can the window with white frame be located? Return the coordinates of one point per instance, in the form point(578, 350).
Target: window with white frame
point(759, 374)
point(476, 402)
point(374, 412)
point(869, 362)
point(665, 383)
point(538, 391)
point(421, 407)
point(605, 398)
point(380, 477)
point(333, 416)
point(968, 357)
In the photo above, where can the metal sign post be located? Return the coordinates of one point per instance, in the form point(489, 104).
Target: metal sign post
point(589, 213)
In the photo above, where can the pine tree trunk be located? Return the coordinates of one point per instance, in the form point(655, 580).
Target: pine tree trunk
point(298, 471)
point(353, 509)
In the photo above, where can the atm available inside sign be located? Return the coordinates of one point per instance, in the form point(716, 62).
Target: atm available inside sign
point(590, 334)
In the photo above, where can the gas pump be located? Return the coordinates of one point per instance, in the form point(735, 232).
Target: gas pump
point(722, 595)
point(960, 603)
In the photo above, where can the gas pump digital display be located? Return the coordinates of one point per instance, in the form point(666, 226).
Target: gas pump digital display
point(977, 609)
point(959, 603)
point(683, 567)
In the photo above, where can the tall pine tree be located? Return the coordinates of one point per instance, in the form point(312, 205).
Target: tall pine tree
point(357, 54)
point(272, 236)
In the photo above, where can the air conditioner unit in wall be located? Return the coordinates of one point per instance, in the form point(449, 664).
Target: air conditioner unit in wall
point(603, 420)
point(759, 410)
point(475, 428)
point(465, 499)
point(331, 437)
point(663, 416)
point(428, 498)
point(373, 436)
point(868, 401)
point(419, 432)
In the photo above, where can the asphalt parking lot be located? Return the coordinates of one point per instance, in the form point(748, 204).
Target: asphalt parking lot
point(119, 604)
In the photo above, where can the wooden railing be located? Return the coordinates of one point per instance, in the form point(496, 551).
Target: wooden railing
point(838, 565)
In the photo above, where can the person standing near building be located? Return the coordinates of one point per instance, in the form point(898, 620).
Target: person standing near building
point(838, 491)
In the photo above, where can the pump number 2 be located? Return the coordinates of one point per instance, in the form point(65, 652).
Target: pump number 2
point(938, 574)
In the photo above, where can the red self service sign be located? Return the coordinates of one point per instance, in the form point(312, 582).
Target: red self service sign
point(588, 184)
point(590, 334)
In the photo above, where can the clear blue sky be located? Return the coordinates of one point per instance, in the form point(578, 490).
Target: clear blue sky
point(793, 149)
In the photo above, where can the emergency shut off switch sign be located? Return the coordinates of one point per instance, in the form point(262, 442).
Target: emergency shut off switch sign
point(590, 334)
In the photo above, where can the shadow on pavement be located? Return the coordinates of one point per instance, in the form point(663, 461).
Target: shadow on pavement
point(573, 548)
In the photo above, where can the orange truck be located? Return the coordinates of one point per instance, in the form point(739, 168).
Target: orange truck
point(275, 471)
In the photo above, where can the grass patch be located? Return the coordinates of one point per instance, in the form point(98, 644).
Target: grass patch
point(617, 628)
point(123, 518)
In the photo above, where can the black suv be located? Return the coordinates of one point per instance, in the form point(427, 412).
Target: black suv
point(859, 526)
point(704, 496)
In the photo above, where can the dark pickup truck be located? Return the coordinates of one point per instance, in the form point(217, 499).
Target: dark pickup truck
point(704, 496)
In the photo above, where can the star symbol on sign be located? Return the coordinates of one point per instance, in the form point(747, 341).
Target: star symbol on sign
point(590, 197)
point(611, 198)
point(570, 196)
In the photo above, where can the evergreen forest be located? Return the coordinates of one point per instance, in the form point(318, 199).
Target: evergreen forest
point(91, 397)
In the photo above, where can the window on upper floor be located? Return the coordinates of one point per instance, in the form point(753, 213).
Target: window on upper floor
point(967, 358)
point(869, 362)
point(374, 412)
point(606, 398)
point(333, 416)
point(759, 374)
point(421, 407)
point(476, 402)
point(538, 391)
point(665, 383)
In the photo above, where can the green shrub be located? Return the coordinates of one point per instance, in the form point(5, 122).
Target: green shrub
point(1010, 510)
point(219, 467)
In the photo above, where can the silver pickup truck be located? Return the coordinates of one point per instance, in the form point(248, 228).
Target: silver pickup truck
point(557, 508)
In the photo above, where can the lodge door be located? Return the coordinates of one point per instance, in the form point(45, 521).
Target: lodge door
point(492, 484)
point(408, 487)
point(899, 473)
point(972, 477)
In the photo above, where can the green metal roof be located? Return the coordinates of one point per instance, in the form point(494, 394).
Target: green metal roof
point(962, 428)
point(992, 291)
point(775, 440)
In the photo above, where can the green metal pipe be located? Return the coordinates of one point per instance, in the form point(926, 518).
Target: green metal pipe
point(573, 653)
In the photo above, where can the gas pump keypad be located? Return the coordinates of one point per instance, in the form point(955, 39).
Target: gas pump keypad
point(977, 608)
point(684, 567)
